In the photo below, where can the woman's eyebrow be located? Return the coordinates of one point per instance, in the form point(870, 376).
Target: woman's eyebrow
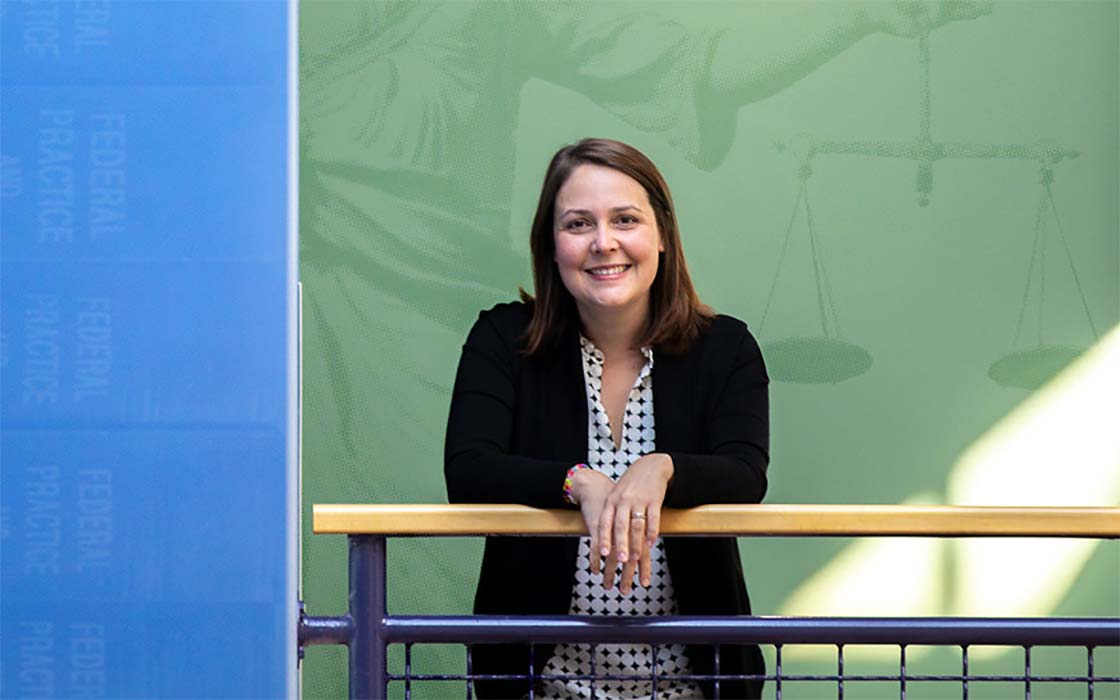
point(587, 212)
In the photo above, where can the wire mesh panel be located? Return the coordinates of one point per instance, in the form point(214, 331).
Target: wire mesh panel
point(1005, 672)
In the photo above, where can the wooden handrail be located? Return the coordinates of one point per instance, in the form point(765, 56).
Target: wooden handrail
point(755, 520)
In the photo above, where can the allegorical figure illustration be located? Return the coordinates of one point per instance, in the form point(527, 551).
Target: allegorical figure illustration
point(408, 114)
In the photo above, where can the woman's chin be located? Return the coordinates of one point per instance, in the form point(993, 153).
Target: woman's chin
point(611, 304)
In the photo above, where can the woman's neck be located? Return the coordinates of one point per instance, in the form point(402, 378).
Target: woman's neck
point(615, 331)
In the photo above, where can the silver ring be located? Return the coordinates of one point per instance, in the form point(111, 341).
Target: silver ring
point(637, 516)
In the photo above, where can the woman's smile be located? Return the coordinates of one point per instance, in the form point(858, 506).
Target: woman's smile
point(608, 272)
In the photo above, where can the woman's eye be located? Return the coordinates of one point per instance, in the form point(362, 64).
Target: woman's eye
point(576, 225)
point(627, 220)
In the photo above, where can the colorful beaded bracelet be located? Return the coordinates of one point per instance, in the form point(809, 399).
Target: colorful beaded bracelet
point(568, 483)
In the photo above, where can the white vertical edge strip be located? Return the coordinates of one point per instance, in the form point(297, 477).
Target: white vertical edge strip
point(294, 361)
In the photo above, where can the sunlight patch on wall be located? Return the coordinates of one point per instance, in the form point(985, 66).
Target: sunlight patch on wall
point(874, 577)
point(1061, 447)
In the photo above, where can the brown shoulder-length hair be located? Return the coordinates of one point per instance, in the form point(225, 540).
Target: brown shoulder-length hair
point(677, 315)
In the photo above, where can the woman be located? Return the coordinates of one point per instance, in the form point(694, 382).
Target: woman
point(614, 390)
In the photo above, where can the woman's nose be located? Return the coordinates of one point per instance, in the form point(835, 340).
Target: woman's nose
point(604, 240)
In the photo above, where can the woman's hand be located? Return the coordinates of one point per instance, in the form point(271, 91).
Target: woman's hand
point(910, 18)
point(590, 489)
point(622, 537)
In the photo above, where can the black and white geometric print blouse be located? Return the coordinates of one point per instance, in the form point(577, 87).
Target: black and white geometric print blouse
point(588, 595)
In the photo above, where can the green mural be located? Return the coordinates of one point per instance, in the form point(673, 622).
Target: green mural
point(914, 206)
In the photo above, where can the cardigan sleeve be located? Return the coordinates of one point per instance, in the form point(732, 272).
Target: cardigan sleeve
point(736, 439)
point(478, 465)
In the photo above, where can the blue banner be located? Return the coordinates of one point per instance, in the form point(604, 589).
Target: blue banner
point(147, 350)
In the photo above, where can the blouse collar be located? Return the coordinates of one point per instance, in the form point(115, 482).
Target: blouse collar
point(595, 355)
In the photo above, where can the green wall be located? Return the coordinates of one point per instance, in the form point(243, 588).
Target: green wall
point(906, 307)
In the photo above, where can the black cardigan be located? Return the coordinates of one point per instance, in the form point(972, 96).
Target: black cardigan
point(517, 424)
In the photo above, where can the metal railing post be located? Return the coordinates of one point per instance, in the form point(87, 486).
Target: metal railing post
point(368, 666)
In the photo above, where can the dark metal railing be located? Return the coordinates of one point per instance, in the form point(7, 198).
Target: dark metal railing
point(368, 630)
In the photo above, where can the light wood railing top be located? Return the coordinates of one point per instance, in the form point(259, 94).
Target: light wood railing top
point(754, 520)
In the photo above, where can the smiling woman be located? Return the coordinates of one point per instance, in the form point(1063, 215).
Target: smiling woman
point(558, 402)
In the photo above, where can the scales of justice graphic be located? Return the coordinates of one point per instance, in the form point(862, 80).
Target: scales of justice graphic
point(829, 357)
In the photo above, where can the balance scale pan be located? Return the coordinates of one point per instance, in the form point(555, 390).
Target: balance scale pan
point(1030, 369)
point(819, 360)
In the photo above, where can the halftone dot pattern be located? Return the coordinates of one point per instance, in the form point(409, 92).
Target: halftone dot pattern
point(588, 595)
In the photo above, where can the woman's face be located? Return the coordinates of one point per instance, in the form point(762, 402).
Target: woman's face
point(607, 241)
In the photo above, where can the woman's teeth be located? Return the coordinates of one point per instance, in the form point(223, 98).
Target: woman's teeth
point(604, 271)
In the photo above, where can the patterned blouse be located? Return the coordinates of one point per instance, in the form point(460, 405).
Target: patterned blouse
point(588, 595)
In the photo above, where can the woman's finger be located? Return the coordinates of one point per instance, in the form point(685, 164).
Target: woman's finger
point(637, 535)
point(644, 568)
point(626, 579)
point(622, 533)
point(653, 525)
point(636, 538)
point(609, 567)
point(606, 525)
point(596, 557)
